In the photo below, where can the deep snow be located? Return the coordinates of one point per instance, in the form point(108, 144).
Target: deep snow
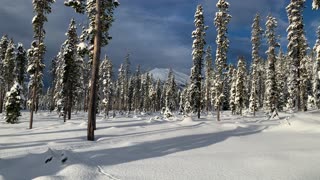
point(149, 147)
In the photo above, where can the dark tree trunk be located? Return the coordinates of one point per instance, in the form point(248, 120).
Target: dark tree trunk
point(1, 100)
point(95, 71)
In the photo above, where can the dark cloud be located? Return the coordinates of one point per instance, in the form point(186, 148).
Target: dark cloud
point(155, 33)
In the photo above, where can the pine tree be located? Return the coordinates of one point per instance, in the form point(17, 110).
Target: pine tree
point(3, 48)
point(221, 21)
point(137, 90)
point(70, 69)
point(127, 72)
point(256, 36)
point(14, 99)
point(106, 77)
point(100, 15)
point(21, 62)
point(281, 80)
point(226, 87)
point(271, 87)
point(315, 4)
point(158, 90)
point(208, 81)
point(121, 86)
point(53, 73)
point(240, 86)
point(9, 65)
point(170, 95)
point(233, 92)
point(36, 53)
point(296, 52)
point(197, 56)
point(316, 76)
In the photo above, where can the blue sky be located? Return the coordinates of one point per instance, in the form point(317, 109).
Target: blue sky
point(156, 33)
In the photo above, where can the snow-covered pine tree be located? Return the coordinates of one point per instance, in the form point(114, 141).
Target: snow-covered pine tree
point(226, 87)
point(240, 86)
point(281, 79)
point(53, 74)
point(70, 71)
point(221, 21)
point(198, 36)
point(36, 53)
point(316, 76)
point(121, 86)
point(296, 52)
point(60, 93)
point(21, 62)
point(14, 99)
point(208, 80)
point(315, 4)
point(256, 36)
point(233, 89)
point(130, 94)
point(170, 95)
point(106, 78)
point(271, 86)
point(137, 90)
point(158, 90)
point(147, 83)
point(9, 65)
point(3, 48)
point(127, 72)
point(74, 64)
point(100, 15)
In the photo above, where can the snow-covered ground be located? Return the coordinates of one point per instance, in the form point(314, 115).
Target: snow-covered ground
point(150, 148)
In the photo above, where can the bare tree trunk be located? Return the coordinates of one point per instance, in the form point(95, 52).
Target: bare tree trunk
point(95, 71)
point(1, 100)
point(218, 113)
point(34, 94)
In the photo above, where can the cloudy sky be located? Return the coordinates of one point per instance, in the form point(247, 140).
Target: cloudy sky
point(157, 33)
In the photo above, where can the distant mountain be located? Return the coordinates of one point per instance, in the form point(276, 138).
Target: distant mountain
point(162, 74)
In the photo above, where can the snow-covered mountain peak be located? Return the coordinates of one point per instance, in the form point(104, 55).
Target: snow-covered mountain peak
point(162, 74)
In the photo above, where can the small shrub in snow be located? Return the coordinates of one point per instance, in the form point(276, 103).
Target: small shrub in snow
point(13, 103)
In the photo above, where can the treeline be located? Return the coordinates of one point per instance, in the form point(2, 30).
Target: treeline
point(80, 82)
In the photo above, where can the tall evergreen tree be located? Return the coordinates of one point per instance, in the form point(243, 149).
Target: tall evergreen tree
point(315, 4)
point(281, 79)
point(106, 77)
point(197, 56)
point(170, 94)
point(316, 77)
point(71, 67)
point(271, 86)
point(100, 15)
point(3, 48)
point(9, 64)
point(256, 36)
point(232, 100)
point(240, 86)
point(36, 53)
point(296, 52)
point(21, 63)
point(208, 76)
point(221, 21)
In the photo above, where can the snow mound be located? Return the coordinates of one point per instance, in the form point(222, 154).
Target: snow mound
point(301, 122)
point(156, 119)
point(189, 121)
